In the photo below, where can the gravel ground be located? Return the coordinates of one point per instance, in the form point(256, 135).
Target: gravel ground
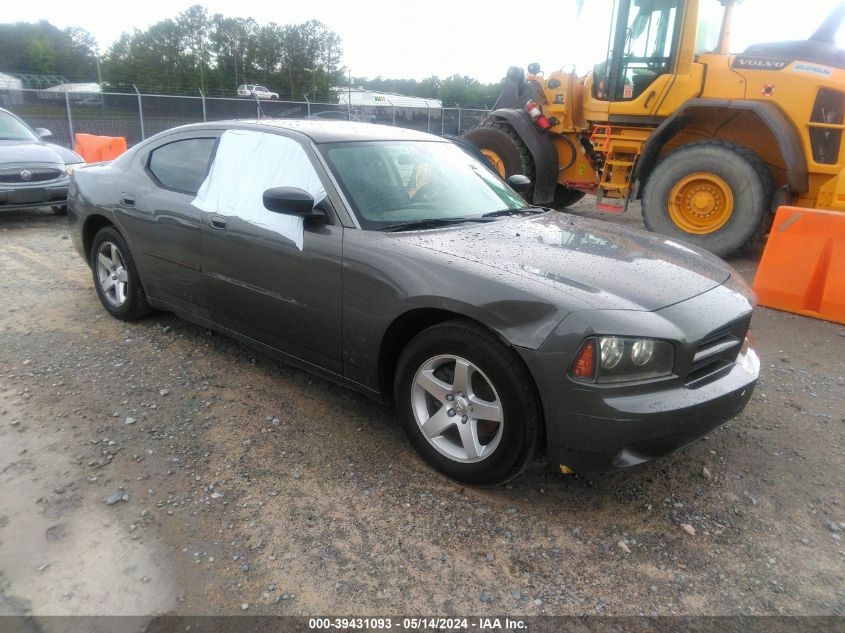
point(156, 467)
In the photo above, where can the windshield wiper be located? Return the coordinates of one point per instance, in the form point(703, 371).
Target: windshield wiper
point(501, 212)
point(431, 223)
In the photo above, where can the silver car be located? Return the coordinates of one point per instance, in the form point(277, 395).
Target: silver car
point(33, 172)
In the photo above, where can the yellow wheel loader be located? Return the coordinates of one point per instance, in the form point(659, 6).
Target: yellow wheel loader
point(710, 142)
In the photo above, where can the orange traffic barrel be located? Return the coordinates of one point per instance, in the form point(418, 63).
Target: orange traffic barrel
point(803, 265)
point(95, 149)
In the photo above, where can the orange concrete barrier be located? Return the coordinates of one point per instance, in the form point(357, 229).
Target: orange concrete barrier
point(803, 265)
point(95, 149)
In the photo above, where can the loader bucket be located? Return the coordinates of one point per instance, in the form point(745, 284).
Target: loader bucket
point(803, 265)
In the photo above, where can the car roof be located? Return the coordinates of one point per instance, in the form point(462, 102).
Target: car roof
point(326, 130)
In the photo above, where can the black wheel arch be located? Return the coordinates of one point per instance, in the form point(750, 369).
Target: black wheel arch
point(93, 224)
point(406, 326)
point(542, 150)
point(788, 140)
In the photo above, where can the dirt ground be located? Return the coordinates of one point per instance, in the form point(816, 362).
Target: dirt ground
point(241, 485)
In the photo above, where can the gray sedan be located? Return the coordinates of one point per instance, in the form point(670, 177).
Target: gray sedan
point(33, 172)
point(500, 331)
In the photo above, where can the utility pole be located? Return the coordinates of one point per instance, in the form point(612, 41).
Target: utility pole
point(235, 59)
point(99, 75)
point(202, 66)
point(349, 96)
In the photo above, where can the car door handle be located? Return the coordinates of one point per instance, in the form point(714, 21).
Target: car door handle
point(649, 98)
point(218, 222)
point(127, 200)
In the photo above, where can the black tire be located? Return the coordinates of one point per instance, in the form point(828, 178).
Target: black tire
point(565, 197)
point(59, 209)
point(745, 173)
point(500, 137)
point(521, 425)
point(135, 305)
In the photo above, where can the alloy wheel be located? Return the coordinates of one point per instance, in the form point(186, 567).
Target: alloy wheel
point(457, 408)
point(111, 274)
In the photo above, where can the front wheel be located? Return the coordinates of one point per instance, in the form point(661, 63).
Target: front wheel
point(116, 278)
point(468, 404)
point(714, 194)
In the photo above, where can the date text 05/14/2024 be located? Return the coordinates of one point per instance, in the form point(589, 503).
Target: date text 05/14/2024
point(418, 624)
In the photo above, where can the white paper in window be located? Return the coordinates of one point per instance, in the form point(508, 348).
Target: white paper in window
point(246, 164)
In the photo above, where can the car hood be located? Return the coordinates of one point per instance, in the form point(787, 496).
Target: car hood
point(605, 265)
point(35, 152)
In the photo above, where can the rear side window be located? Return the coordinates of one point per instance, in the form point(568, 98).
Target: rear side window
point(182, 165)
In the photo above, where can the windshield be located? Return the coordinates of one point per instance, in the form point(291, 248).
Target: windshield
point(395, 182)
point(11, 129)
point(711, 13)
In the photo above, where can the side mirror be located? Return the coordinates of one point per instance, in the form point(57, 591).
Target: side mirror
point(43, 132)
point(291, 201)
point(519, 183)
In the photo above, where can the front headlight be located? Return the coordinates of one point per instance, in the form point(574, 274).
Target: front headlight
point(72, 167)
point(605, 359)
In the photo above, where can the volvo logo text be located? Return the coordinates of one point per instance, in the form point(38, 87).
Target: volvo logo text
point(759, 63)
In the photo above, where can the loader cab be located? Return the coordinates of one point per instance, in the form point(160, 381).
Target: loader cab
point(642, 46)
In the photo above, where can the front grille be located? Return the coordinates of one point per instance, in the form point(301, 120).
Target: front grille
point(17, 175)
point(717, 352)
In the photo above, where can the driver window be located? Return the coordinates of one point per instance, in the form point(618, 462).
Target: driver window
point(648, 51)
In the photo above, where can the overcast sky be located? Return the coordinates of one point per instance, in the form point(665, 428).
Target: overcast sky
point(430, 37)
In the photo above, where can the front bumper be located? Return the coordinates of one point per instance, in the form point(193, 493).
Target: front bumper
point(643, 427)
point(598, 427)
point(35, 195)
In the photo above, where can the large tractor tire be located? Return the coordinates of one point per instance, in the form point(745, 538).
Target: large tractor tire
point(504, 150)
point(714, 194)
point(508, 155)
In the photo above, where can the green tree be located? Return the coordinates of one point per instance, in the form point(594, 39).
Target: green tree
point(194, 26)
point(40, 57)
point(41, 48)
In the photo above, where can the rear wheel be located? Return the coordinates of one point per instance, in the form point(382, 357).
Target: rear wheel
point(116, 278)
point(714, 194)
point(504, 150)
point(467, 403)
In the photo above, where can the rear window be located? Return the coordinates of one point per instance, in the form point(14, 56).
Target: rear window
point(182, 165)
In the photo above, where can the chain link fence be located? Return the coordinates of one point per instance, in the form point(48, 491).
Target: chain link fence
point(139, 116)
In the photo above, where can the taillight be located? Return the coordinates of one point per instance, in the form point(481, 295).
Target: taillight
point(536, 114)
